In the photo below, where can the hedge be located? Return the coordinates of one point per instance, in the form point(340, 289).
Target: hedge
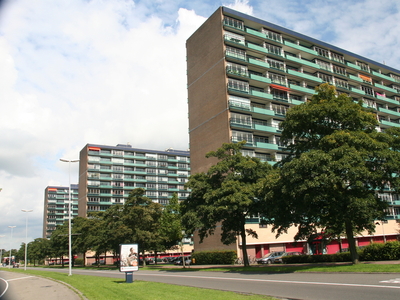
point(214, 257)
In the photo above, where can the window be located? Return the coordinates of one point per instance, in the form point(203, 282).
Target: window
point(118, 152)
point(242, 86)
point(263, 156)
point(151, 163)
point(117, 176)
point(151, 178)
point(272, 35)
point(322, 52)
point(238, 136)
point(368, 90)
point(323, 65)
point(162, 156)
point(182, 166)
point(395, 77)
point(396, 87)
point(260, 122)
point(369, 102)
point(117, 183)
point(151, 185)
point(241, 119)
point(236, 53)
point(239, 102)
point(279, 95)
point(276, 123)
point(162, 186)
point(151, 193)
point(276, 78)
point(237, 69)
point(273, 49)
point(151, 156)
point(279, 109)
point(363, 66)
point(337, 57)
point(339, 70)
point(341, 83)
point(117, 160)
point(117, 168)
point(151, 170)
point(325, 77)
point(276, 64)
point(233, 37)
point(233, 22)
point(94, 158)
point(249, 153)
point(161, 179)
point(261, 139)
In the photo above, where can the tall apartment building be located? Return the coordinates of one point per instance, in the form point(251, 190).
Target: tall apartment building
point(56, 207)
point(107, 174)
point(245, 73)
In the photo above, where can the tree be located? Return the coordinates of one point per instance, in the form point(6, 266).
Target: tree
point(226, 194)
point(337, 165)
point(38, 249)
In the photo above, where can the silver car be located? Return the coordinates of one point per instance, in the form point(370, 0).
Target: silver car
point(270, 257)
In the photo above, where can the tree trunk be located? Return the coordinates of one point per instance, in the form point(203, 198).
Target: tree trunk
point(352, 242)
point(244, 247)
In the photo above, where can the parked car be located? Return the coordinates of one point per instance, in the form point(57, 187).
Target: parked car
point(269, 258)
point(178, 261)
point(279, 258)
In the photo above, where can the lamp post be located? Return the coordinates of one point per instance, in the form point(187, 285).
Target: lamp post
point(9, 259)
point(26, 235)
point(69, 161)
point(1, 252)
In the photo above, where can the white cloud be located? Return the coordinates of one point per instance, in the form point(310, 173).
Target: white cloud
point(242, 6)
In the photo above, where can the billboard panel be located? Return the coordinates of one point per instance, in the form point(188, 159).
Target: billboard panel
point(129, 258)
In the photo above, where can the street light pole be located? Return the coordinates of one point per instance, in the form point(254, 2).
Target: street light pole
point(69, 161)
point(9, 259)
point(26, 235)
point(1, 252)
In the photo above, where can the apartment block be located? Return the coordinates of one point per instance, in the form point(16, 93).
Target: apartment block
point(56, 207)
point(107, 174)
point(244, 74)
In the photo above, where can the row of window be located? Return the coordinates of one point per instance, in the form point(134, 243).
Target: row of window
point(152, 156)
point(141, 162)
point(136, 169)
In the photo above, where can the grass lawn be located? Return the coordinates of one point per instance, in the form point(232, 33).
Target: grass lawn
point(104, 288)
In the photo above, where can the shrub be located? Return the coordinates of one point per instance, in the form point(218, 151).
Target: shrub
point(214, 257)
point(372, 252)
point(79, 261)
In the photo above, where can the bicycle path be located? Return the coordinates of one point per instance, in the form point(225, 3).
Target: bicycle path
point(19, 286)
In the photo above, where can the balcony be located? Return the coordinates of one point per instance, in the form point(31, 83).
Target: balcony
point(358, 91)
point(256, 33)
point(383, 76)
point(349, 64)
point(356, 78)
point(388, 111)
point(261, 94)
point(302, 89)
point(266, 146)
point(260, 78)
point(258, 63)
point(301, 48)
point(386, 88)
point(392, 124)
point(390, 100)
point(263, 111)
point(264, 128)
point(302, 61)
point(305, 76)
point(257, 48)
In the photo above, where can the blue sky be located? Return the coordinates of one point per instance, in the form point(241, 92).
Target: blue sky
point(114, 71)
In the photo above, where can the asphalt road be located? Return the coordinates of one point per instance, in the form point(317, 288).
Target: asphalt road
point(352, 286)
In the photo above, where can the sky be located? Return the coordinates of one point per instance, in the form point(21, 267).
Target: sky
point(114, 72)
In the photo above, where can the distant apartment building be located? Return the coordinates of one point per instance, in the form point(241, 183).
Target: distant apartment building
point(56, 207)
point(107, 174)
point(244, 74)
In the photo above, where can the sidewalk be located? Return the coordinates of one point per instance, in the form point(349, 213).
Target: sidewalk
point(27, 287)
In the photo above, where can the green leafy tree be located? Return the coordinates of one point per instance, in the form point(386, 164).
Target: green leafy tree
point(227, 193)
point(38, 250)
point(59, 242)
point(338, 162)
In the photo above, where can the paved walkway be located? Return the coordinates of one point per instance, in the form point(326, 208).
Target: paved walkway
point(19, 286)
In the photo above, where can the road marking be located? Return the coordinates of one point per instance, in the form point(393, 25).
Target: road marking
point(20, 278)
point(279, 281)
point(5, 290)
point(397, 280)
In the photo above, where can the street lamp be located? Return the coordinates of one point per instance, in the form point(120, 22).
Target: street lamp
point(26, 235)
point(9, 259)
point(1, 252)
point(69, 161)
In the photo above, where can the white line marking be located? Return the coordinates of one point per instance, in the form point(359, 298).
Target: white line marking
point(280, 281)
point(5, 290)
point(20, 278)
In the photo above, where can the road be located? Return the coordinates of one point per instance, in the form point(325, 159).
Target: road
point(352, 286)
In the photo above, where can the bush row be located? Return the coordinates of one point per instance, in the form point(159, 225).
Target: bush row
point(372, 252)
point(214, 257)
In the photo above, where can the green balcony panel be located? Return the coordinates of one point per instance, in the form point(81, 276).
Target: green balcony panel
point(358, 91)
point(267, 146)
point(261, 95)
point(302, 89)
point(302, 61)
point(260, 78)
point(258, 48)
point(353, 65)
point(388, 100)
point(306, 76)
point(385, 88)
point(302, 48)
point(258, 63)
point(296, 102)
point(383, 76)
point(264, 128)
point(263, 111)
point(388, 111)
point(384, 122)
point(255, 32)
point(397, 202)
point(355, 78)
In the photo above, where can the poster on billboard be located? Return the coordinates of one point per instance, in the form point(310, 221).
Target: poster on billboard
point(129, 258)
